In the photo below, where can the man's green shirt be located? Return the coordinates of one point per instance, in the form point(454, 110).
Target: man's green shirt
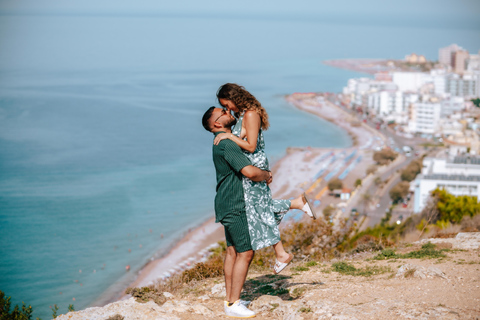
point(229, 160)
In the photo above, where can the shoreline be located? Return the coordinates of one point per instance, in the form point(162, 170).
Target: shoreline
point(285, 185)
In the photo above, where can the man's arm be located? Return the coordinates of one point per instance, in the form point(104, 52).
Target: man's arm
point(256, 174)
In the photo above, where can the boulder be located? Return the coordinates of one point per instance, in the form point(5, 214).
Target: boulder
point(266, 303)
point(420, 272)
point(129, 309)
point(218, 290)
point(463, 240)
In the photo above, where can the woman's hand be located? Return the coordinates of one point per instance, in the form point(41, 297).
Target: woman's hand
point(221, 137)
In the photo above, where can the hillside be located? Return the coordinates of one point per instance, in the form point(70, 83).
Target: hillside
point(430, 279)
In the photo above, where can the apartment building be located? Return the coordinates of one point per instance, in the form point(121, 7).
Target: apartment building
point(460, 176)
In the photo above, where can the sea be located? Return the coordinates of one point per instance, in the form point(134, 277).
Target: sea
point(103, 160)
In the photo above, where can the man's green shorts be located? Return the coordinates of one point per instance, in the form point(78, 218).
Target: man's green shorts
point(236, 231)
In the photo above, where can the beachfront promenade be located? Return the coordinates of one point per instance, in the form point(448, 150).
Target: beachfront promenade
point(310, 169)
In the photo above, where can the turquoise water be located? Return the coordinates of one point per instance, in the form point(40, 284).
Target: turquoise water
point(104, 162)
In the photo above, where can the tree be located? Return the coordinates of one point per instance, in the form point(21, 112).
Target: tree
point(358, 183)
point(399, 191)
point(412, 170)
point(476, 102)
point(327, 212)
point(454, 208)
point(366, 200)
point(371, 169)
point(335, 184)
point(384, 156)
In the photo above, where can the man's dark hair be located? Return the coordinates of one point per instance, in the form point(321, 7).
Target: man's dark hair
point(206, 118)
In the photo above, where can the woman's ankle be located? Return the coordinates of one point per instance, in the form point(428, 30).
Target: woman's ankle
point(297, 203)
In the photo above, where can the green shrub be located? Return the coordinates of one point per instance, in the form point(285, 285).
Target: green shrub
point(23, 313)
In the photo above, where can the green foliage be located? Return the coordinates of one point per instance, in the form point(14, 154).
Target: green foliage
point(427, 251)
point(386, 254)
point(349, 269)
point(476, 102)
point(358, 183)
point(305, 310)
point(399, 191)
point(54, 311)
point(335, 184)
point(300, 268)
point(23, 313)
point(454, 208)
point(343, 267)
point(386, 219)
point(412, 170)
point(311, 264)
point(71, 308)
point(384, 156)
point(116, 317)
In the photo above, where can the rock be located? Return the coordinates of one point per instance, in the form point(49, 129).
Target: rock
point(130, 309)
point(204, 311)
point(168, 295)
point(186, 307)
point(266, 303)
point(203, 298)
point(419, 272)
point(463, 240)
point(218, 290)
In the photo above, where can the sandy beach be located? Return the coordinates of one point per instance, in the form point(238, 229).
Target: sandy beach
point(300, 170)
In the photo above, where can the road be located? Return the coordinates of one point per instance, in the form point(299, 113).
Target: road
point(381, 197)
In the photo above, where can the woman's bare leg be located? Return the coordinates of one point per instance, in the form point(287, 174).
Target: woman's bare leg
point(280, 252)
point(297, 203)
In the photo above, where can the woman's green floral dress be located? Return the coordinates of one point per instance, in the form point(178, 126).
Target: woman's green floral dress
point(263, 213)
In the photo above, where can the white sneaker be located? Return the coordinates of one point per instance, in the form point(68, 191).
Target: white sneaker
point(244, 302)
point(238, 310)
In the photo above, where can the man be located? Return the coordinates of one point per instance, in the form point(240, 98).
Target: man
point(230, 165)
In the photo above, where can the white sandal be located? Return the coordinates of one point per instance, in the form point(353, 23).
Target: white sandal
point(308, 208)
point(279, 266)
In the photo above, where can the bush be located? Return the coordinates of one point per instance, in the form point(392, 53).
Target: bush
point(23, 313)
point(358, 183)
point(412, 170)
point(335, 184)
point(384, 156)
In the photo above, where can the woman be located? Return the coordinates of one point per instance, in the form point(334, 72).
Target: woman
point(263, 213)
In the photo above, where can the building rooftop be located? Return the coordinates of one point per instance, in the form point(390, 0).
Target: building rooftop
point(467, 160)
point(451, 177)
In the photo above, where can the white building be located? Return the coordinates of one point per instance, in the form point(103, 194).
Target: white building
point(467, 85)
point(360, 87)
point(459, 177)
point(451, 105)
point(445, 55)
point(424, 117)
point(439, 79)
point(410, 81)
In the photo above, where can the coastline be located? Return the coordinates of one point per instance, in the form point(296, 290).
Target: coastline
point(293, 174)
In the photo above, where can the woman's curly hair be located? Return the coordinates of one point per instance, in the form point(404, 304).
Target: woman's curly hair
point(243, 100)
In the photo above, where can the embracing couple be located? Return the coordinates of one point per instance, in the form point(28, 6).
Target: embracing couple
point(244, 204)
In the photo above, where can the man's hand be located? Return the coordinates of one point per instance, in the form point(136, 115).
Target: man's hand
point(256, 174)
point(270, 178)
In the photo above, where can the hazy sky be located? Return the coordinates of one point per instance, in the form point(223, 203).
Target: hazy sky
point(113, 33)
point(466, 9)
